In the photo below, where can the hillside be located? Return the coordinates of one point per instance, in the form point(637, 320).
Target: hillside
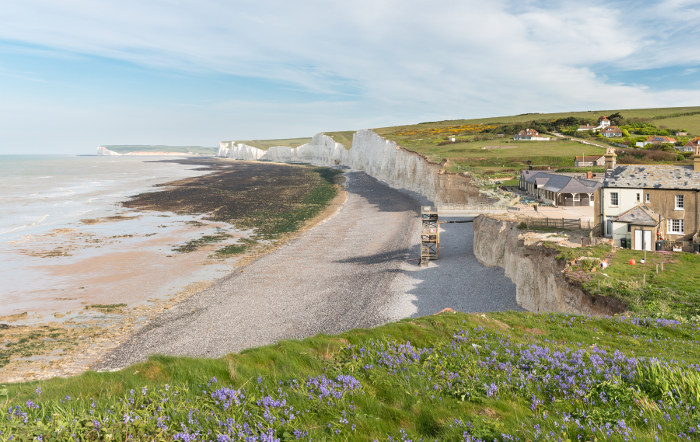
point(448, 377)
point(485, 146)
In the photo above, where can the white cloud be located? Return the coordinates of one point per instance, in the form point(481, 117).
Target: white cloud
point(384, 60)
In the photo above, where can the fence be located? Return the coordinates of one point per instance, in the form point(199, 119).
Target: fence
point(479, 208)
point(560, 223)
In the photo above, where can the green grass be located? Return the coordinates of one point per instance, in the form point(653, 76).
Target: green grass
point(673, 292)
point(198, 243)
point(342, 137)
point(438, 377)
point(236, 249)
point(266, 144)
point(106, 308)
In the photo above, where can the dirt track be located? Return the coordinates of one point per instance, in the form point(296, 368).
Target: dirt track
point(350, 271)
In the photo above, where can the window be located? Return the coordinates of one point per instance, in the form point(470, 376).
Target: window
point(577, 197)
point(679, 202)
point(614, 200)
point(639, 197)
point(648, 198)
point(675, 226)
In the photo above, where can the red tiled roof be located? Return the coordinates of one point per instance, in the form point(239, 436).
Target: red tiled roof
point(660, 139)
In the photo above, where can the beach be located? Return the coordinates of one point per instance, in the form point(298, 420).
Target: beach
point(91, 258)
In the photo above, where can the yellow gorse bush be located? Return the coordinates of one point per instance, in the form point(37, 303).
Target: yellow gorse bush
point(464, 129)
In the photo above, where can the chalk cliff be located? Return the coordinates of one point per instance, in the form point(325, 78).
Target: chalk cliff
point(378, 157)
point(537, 274)
point(101, 150)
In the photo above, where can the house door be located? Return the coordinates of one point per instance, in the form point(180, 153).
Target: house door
point(642, 240)
point(647, 240)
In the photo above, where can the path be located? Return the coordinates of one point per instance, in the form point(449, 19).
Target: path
point(352, 270)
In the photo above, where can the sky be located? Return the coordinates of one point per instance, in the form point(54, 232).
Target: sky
point(75, 74)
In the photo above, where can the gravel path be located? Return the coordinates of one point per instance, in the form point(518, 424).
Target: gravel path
point(352, 270)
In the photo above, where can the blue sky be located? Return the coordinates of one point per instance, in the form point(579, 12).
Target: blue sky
point(75, 74)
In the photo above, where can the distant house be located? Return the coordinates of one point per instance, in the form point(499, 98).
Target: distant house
point(611, 132)
point(690, 146)
point(589, 161)
point(530, 135)
point(603, 122)
point(656, 139)
point(681, 134)
point(558, 189)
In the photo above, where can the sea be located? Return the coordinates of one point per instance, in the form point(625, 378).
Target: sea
point(66, 241)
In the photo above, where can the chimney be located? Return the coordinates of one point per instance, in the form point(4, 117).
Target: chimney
point(589, 175)
point(610, 158)
point(696, 158)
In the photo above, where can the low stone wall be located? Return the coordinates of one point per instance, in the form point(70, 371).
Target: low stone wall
point(537, 274)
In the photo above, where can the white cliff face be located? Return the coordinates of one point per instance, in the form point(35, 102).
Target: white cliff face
point(101, 150)
point(378, 157)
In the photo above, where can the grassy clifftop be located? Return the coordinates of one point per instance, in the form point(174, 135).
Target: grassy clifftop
point(447, 377)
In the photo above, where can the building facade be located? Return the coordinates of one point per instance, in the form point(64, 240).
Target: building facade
point(634, 195)
point(558, 189)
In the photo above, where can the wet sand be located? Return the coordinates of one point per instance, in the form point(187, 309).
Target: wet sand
point(91, 285)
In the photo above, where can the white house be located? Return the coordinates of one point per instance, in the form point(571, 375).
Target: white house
point(530, 135)
point(639, 203)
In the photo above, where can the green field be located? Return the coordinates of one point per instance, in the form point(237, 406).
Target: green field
point(666, 284)
point(454, 376)
point(162, 148)
point(266, 144)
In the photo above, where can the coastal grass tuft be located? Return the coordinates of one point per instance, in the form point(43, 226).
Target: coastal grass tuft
point(106, 308)
point(236, 249)
point(198, 243)
point(448, 377)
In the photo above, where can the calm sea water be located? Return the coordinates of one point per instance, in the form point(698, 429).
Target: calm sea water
point(40, 193)
point(54, 221)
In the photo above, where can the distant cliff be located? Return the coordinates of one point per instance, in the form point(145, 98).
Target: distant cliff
point(102, 150)
point(141, 149)
point(378, 157)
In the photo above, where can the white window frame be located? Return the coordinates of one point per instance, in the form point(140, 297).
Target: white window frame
point(672, 223)
point(616, 197)
point(639, 197)
point(679, 202)
point(648, 198)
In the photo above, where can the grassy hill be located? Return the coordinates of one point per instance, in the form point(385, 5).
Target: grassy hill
point(453, 376)
point(123, 148)
point(266, 144)
point(485, 146)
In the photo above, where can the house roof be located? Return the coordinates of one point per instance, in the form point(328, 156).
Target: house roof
point(587, 126)
point(639, 216)
point(603, 118)
point(589, 158)
point(692, 143)
point(653, 177)
point(559, 183)
point(660, 139)
point(611, 129)
point(529, 132)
